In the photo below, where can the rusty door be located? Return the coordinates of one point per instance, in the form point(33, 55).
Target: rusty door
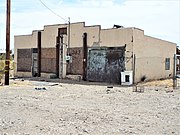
point(105, 64)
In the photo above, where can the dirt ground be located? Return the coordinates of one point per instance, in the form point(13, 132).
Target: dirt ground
point(47, 108)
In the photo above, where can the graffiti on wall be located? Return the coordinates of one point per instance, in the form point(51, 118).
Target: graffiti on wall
point(105, 64)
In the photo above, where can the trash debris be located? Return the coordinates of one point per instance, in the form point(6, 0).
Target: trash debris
point(108, 91)
point(109, 86)
point(169, 91)
point(54, 84)
point(40, 88)
point(138, 89)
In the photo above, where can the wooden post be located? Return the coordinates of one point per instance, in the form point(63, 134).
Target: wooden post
point(57, 53)
point(174, 73)
point(7, 42)
point(39, 53)
point(85, 56)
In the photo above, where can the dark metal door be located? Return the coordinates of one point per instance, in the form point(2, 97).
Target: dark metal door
point(105, 64)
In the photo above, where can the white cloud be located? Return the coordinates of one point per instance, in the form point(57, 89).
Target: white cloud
point(97, 3)
point(159, 18)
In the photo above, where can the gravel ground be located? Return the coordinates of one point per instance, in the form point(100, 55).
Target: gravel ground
point(44, 108)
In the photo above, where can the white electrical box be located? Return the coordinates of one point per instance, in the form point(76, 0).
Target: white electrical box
point(127, 78)
point(68, 58)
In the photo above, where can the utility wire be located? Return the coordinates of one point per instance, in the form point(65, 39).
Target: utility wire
point(52, 10)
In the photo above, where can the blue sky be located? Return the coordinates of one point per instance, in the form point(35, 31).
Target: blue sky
point(158, 18)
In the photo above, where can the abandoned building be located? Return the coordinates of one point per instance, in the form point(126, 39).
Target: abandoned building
point(117, 55)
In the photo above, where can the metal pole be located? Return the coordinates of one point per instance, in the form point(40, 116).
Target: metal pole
point(134, 68)
point(7, 42)
point(174, 73)
point(68, 50)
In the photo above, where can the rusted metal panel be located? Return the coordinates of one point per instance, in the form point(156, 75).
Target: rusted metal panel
point(24, 60)
point(48, 53)
point(48, 60)
point(24, 65)
point(106, 64)
point(48, 65)
point(76, 66)
point(24, 53)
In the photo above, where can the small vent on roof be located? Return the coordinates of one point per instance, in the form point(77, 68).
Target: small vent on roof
point(118, 26)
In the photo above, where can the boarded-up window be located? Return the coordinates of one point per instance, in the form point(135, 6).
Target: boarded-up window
point(24, 60)
point(167, 64)
point(48, 60)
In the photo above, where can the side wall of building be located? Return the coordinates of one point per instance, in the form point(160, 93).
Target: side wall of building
point(151, 54)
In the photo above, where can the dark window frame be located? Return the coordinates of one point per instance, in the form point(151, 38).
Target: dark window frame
point(167, 64)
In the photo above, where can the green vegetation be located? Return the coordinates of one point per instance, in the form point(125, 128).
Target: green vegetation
point(2, 64)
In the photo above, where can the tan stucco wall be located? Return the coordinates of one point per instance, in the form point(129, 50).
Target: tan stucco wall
point(93, 35)
point(76, 38)
point(150, 56)
point(150, 52)
point(49, 35)
point(115, 37)
point(50, 32)
point(24, 42)
point(118, 38)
